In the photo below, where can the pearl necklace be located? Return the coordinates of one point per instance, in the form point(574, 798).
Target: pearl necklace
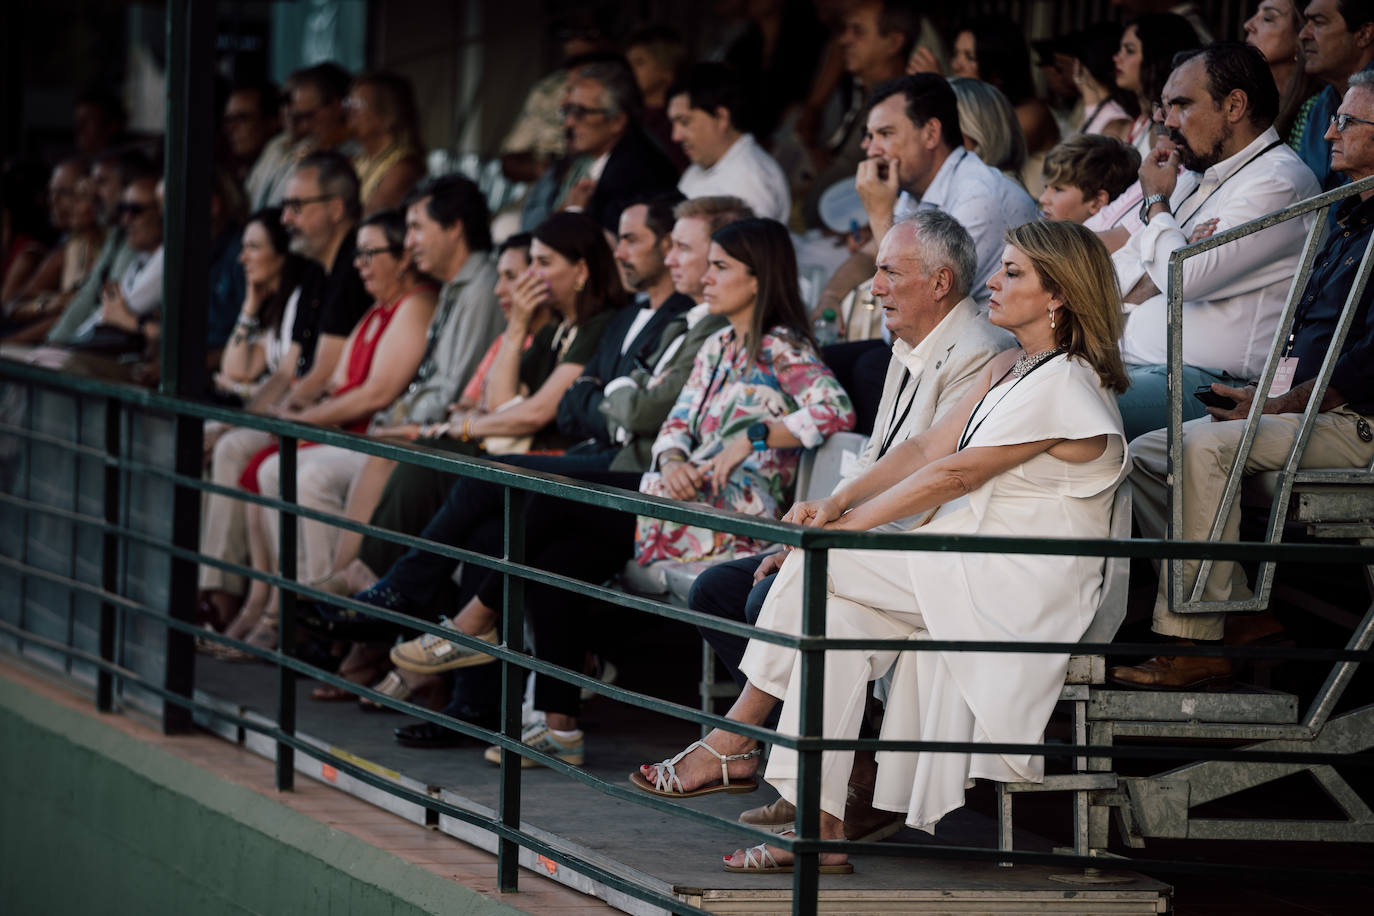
point(1027, 362)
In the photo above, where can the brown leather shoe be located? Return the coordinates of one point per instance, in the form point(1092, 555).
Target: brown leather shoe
point(1173, 672)
point(864, 823)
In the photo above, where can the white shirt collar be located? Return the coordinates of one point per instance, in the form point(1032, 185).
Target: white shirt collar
point(915, 358)
point(1229, 166)
point(942, 185)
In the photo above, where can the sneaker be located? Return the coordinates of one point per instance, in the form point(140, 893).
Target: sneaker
point(431, 654)
point(540, 738)
point(778, 817)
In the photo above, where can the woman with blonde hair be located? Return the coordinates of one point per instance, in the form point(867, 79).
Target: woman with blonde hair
point(1035, 449)
point(382, 117)
point(988, 122)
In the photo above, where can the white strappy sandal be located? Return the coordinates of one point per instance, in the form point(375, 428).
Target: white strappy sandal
point(667, 784)
point(758, 860)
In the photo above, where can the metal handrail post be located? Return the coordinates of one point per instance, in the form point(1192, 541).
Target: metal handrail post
point(512, 689)
point(1271, 364)
point(286, 616)
point(811, 724)
point(109, 556)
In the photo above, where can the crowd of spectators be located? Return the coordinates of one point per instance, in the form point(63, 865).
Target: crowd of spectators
point(835, 221)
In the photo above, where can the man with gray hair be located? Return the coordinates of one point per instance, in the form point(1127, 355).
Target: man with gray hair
point(925, 271)
point(601, 116)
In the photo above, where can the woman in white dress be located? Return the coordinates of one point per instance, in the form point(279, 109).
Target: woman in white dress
point(1034, 450)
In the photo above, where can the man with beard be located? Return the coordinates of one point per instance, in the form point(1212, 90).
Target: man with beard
point(1219, 105)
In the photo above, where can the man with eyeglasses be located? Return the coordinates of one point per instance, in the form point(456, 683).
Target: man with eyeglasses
point(1218, 106)
point(1341, 436)
point(320, 212)
point(261, 156)
point(317, 111)
point(601, 117)
point(1337, 41)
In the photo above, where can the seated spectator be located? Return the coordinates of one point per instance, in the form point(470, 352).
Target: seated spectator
point(98, 122)
point(384, 124)
point(537, 138)
point(319, 213)
point(1143, 63)
point(1034, 448)
point(573, 274)
point(379, 358)
point(989, 125)
point(634, 407)
point(707, 111)
point(317, 107)
point(1340, 436)
point(995, 51)
point(266, 181)
point(940, 345)
point(916, 160)
point(228, 211)
point(602, 118)
point(75, 208)
point(131, 301)
point(111, 174)
point(878, 37)
point(261, 337)
point(1220, 104)
point(1274, 29)
point(657, 55)
point(1084, 173)
point(447, 234)
point(251, 119)
point(1108, 109)
point(1337, 42)
point(25, 232)
point(731, 440)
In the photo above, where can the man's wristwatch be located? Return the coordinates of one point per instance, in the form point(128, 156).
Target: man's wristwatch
point(758, 435)
point(1149, 202)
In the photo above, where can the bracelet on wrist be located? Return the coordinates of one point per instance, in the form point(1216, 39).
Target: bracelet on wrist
point(466, 433)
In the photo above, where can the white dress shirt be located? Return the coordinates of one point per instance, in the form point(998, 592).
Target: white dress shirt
point(745, 171)
point(984, 201)
point(1232, 295)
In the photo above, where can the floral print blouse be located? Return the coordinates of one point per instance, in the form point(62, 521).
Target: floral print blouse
point(724, 395)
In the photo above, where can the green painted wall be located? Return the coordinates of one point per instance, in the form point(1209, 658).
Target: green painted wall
point(95, 822)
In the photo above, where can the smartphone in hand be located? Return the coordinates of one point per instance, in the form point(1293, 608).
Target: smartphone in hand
point(1206, 395)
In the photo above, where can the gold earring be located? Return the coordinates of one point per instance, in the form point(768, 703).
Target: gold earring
point(581, 285)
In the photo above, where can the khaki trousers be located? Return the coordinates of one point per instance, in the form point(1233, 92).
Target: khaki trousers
point(324, 475)
point(1209, 450)
point(223, 534)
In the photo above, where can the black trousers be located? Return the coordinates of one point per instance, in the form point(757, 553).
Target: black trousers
point(583, 542)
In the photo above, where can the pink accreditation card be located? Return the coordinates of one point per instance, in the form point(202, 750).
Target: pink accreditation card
point(1283, 376)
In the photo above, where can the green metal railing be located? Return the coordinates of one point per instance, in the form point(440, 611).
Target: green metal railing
point(518, 484)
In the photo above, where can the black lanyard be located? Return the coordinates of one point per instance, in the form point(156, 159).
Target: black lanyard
point(968, 434)
point(1276, 143)
point(892, 430)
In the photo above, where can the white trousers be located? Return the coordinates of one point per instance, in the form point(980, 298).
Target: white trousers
point(324, 476)
point(1209, 450)
point(868, 597)
point(223, 533)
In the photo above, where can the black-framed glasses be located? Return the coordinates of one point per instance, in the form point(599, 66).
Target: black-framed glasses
point(579, 112)
point(1342, 121)
point(131, 210)
point(364, 256)
point(297, 204)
